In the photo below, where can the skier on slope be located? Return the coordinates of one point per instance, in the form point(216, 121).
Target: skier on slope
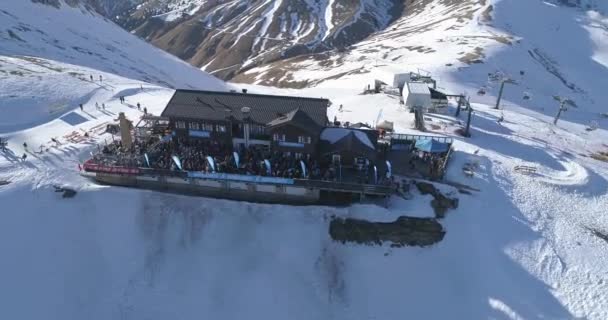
point(138, 106)
point(103, 106)
point(96, 105)
point(23, 157)
point(25, 146)
point(81, 107)
point(145, 110)
point(100, 78)
point(91, 76)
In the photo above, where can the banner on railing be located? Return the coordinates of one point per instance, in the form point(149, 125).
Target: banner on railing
point(238, 177)
point(268, 167)
point(389, 169)
point(88, 166)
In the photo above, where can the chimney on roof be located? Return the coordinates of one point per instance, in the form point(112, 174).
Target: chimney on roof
point(244, 90)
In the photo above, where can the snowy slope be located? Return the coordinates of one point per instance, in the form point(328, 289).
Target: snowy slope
point(561, 51)
point(78, 36)
point(520, 248)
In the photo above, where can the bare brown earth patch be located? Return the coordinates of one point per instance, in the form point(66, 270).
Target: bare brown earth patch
point(405, 231)
point(473, 57)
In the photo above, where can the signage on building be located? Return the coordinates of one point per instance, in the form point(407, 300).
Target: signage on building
point(199, 133)
point(291, 144)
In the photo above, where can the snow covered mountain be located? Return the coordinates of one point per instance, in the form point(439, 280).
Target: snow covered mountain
point(72, 32)
point(262, 41)
point(69, 38)
point(228, 37)
point(522, 247)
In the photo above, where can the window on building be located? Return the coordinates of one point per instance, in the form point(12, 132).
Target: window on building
point(220, 128)
point(257, 129)
point(195, 126)
point(207, 127)
point(335, 159)
point(298, 155)
point(180, 124)
point(304, 139)
point(278, 137)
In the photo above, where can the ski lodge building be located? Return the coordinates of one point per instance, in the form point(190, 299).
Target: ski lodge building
point(285, 123)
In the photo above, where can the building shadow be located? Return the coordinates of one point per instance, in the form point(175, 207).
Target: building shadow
point(73, 119)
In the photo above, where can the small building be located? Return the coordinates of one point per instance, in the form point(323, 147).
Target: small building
point(295, 132)
point(417, 95)
point(387, 76)
point(347, 145)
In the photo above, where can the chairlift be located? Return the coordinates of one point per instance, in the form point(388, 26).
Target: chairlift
point(481, 91)
point(526, 96)
point(593, 125)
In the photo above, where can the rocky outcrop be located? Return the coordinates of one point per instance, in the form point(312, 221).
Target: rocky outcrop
point(405, 231)
point(230, 37)
point(440, 203)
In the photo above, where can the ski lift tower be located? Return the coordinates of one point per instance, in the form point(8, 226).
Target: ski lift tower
point(419, 118)
point(563, 101)
point(502, 87)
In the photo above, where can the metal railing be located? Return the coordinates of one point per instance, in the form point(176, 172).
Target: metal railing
point(402, 137)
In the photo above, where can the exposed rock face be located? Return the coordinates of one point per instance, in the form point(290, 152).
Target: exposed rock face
point(405, 231)
point(441, 203)
point(232, 36)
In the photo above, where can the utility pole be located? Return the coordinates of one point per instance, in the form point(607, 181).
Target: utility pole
point(467, 133)
point(562, 107)
point(460, 100)
point(502, 87)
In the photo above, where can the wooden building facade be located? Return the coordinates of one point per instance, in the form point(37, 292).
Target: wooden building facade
point(289, 124)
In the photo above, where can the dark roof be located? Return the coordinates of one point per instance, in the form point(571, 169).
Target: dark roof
point(217, 105)
point(432, 146)
point(437, 94)
point(297, 118)
point(360, 125)
point(349, 141)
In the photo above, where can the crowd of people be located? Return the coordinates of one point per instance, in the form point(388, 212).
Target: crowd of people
point(429, 163)
point(193, 155)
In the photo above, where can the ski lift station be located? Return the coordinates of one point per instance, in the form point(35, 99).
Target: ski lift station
point(388, 76)
point(417, 95)
point(420, 95)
